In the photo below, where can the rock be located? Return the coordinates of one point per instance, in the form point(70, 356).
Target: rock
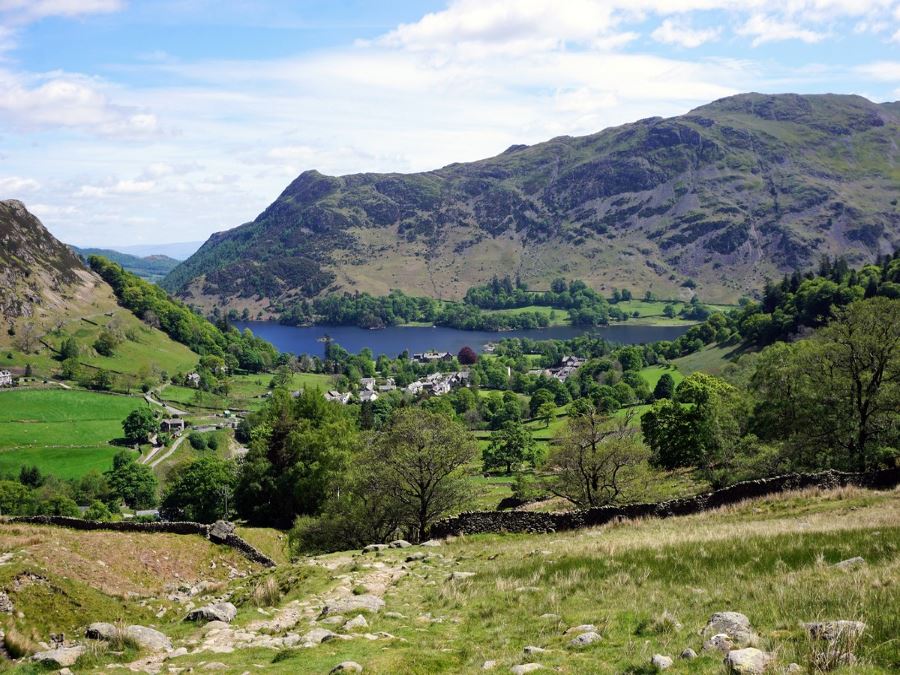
point(533, 650)
point(688, 654)
point(586, 639)
point(525, 668)
point(549, 617)
point(374, 548)
point(418, 555)
point(661, 662)
point(359, 621)
point(720, 642)
point(215, 625)
point(148, 638)
point(793, 668)
point(353, 603)
point(177, 653)
point(834, 630)
point(583, 628)
point(347, 667)
point(459, 576)
point(61, 657)
point(434, 543)
point(101, 631)
point(488, 665)
point(221, 530)
point(6, 605)
point(65, 671)
point(317, 635)
point(214, 665)
point(850, 563)
point(734, 624)
point(400, 543)
point(748, 661)
point(394, 615)
point(220, 611)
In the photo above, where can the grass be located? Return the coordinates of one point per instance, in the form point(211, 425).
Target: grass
point(648, 586)
point(65, 433)
point(651, 375)
point(711, 359)
point(245, 393)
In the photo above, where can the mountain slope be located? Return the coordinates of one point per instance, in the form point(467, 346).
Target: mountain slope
point(151, 267)
point(753, 184)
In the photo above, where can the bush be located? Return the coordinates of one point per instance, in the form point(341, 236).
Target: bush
point(197, 440)
point(98, 511)
point(212, 442)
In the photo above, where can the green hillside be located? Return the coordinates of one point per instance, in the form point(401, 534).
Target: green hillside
point(152, 268)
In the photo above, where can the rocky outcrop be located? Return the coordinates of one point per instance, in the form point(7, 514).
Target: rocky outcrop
point(219, 611)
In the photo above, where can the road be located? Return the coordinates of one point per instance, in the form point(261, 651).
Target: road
point(175, 412)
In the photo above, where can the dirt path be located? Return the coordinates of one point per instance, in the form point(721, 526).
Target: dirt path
point(168, 453)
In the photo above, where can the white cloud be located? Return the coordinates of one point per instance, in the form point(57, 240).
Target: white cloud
point(24, 11)
point(770, 29)
point(881, 71)
point(15, 185)
point(677, 32)
point(121, 187)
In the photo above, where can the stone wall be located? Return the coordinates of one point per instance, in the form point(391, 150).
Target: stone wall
point(475, 522)
point(232, 540)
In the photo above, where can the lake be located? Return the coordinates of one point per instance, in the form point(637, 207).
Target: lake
point(393, 340)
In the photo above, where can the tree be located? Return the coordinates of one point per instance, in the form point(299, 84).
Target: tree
point(833, 399)
point(422, 456)
point(669, 310)
point(538, 398)
point(597, 459)
point(201, 490)
point(133, 483)
point(510, 447)
point(197, 440)
point(71, 369)
point(665, 387)
point(68, 349)
point(546, 412)
point(103, 380)
point(31, 476)
point(16, 499)
point(140, 424)
point(106, 343)
point(467, 356)
point(97, 511)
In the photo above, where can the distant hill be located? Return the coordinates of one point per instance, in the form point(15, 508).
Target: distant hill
point(152, 268)
point(178, 250)
point(40, 277)
point(735, 191)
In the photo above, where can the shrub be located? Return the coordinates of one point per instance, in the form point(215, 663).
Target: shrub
point(212, 443)
point(197, 440)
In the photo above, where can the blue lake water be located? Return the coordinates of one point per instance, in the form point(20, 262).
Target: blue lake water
point(393, 340)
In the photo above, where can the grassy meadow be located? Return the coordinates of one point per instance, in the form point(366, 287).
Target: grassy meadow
point(65, 433)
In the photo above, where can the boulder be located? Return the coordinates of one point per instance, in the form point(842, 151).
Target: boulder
point(733, 624)
point(835, 630)
point(214, 665)
point(6, 605)
point(748, 661)
point(61, 657)
point(661, 662)
point(418, 555)
point(394, 615)
point(721, 642)
point(586, 639)
point(221, 530)
point(400, 543)
point(459, 576)
point(346, 667)
point(850, 563)
point(529, 650)
point(374, 548)
point(219, 611)
point(488, 665)
point(688, 654)
point(525, 668)
point(317, 635)
point(101, 631)
point(793, 668)
point(431, 543)
point(359, 621)
point(583, 628)
point(353, 603)
point(148, 638)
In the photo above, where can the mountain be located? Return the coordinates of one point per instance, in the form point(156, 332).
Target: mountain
point(152, 267)
point(741, 189)
point(40, 277)
point(178, 250)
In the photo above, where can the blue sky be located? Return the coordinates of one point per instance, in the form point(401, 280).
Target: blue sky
point(130, 121)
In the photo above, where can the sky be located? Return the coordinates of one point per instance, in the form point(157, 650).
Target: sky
point(128, 122)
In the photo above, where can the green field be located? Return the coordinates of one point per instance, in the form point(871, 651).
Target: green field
point(651, 375)
point(64, 433)
point(711, 359)
point(246, 391)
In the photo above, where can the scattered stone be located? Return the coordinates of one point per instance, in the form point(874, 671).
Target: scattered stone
point(61, 657)
point(359, 621)
point(586, 639)
point(6, 605)
point(353, 603)
point(850, 563)
point(458, 576)
point(733, 624)
point(793, 668)
point(488, 665)
point(583, 628)
point(347, 667)
point(747, 661)
point(317, 635)
point(220, 611)
point(101, 631)
point(374, 548)
point(400, 543)
point(720, 642)
point(661, 662)
point(529, 650)
point(66, 671)
point(334, 620)
point(834, 630)
point(177, 653)
point(394, 615)
point(221, 530)
point(418, 555)
point(215, 625)
point(432, 543)
point(549, 617)
point(148, 638)
point(688, 654)
point(215, 665)
point(525, 668)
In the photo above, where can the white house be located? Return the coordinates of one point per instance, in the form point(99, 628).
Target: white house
point(5, 378)
point(368, 395)
point(337, 396)
point(193, 379)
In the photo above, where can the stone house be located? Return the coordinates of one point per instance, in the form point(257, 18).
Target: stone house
point(5, 378)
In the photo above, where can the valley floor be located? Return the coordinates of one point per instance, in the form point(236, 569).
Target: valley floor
point(647, 587)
